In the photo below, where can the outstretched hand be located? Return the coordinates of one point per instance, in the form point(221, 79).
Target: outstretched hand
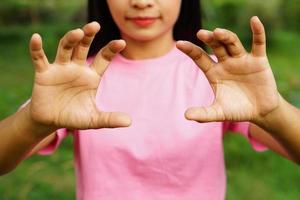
point(64, 92)
point(243, 83)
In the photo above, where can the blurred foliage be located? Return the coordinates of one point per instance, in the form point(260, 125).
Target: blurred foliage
point(37, 11)
point(235, 15)
point(289, 13)
point(232, 14)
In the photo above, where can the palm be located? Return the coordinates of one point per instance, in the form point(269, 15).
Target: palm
point(70, 93)
point(244, 86)
point(64, 92)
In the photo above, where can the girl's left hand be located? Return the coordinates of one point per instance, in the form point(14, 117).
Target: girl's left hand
point(243, 83)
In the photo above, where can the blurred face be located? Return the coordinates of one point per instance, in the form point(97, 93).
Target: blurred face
point(144, 20)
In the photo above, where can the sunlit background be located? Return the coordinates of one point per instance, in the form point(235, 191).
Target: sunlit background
point(251, 175)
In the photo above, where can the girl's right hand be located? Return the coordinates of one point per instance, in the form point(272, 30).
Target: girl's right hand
point(64, 92)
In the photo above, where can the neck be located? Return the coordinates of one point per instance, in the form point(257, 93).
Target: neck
point(138, 50)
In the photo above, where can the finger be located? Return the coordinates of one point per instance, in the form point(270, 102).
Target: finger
point(112, 120)
point(259, 37)
point(81, 51)
point(106, 54)
point(218, 48)
point(37, 53)
point(67, 44)
point(231, 42)
point(199, 56)
point(205, 114)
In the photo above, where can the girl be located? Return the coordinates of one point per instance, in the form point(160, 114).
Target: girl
point(160, 153)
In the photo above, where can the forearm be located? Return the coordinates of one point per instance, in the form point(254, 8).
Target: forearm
point(19, 135)
point(284, 125)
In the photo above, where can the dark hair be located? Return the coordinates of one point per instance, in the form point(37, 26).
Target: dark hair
point(186, 27)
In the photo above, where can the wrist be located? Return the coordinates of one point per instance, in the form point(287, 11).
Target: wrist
point(274, 118)
point(34, 129)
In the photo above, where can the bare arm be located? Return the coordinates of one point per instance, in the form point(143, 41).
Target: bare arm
point(280, 131)
point(19, 135)
point(268, 140)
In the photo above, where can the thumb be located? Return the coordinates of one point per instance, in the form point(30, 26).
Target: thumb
point(111, 120)
point(205, 114)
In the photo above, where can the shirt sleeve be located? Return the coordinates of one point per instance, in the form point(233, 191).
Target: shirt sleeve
point(243, 129)
point(50, 148)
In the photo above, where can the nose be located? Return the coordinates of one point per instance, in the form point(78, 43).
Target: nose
point(142, 4)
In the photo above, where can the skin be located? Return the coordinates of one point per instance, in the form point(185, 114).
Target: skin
point(64, 91)
point(63, 96)
point(245, 89)
point(142, 42)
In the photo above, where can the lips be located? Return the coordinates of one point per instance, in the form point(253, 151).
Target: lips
point(143, 21)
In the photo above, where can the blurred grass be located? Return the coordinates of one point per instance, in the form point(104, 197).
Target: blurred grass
point(47, 177)
point(285, 61)
point(250, 175)
point(259, 176)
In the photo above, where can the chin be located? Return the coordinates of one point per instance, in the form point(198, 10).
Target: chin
point(145, 36)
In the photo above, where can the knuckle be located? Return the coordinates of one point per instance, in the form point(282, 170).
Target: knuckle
point(112, 47)
point(197, 56)
point(37, 56)
point(234, 38)
point(86, 42)
point(106, 55)
point(259, 41)
point(234, 35)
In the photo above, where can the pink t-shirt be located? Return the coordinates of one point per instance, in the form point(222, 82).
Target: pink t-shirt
point(161, 156)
